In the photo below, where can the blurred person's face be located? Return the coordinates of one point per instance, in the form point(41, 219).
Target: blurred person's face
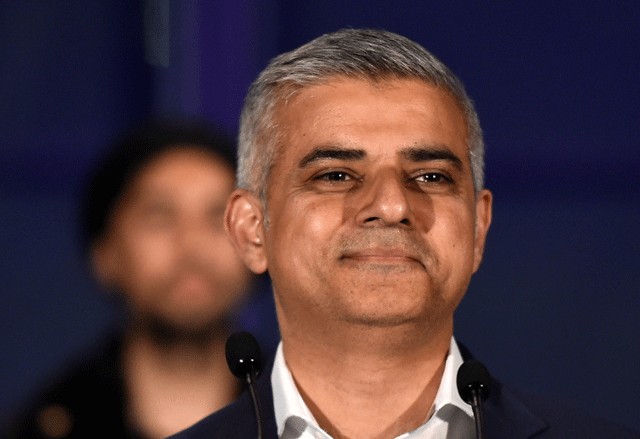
point(166, 249)
point(373, 218)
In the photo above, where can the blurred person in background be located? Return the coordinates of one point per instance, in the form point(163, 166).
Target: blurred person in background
point(153, 234)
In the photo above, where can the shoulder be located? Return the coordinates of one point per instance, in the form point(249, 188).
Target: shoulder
point(234, 421)
point(68, 401)
point(515, 413)
point(564, 419)
point(518, 414)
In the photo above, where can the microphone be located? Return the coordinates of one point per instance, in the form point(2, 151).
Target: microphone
point(243, 357)
point(473, 386)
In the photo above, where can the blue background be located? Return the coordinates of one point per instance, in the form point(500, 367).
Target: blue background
point(555, 305)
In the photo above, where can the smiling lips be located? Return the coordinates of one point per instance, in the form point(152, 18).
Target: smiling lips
point(192, 288)
point(382, 256)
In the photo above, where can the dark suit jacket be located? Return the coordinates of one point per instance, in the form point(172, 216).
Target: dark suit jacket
point(88, 397)
point(507, 415)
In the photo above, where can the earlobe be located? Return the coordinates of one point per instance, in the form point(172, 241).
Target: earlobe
point(484, 202)
point(244, 225)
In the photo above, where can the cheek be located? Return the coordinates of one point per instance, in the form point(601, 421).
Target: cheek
point(314, 225)
point(303, 231)
point(458, 236)
point(424, 212)
point(321, 223)
point(146, 258)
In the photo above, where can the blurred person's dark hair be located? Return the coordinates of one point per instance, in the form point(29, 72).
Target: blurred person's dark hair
point(129, 153)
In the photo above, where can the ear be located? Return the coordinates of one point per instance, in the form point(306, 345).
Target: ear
point(104, 261)
point(484, 202)
point(244, 224)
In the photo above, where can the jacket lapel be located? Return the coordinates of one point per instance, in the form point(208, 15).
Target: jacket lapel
point(506, 415)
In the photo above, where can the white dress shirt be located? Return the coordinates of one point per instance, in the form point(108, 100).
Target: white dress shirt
point(451, 417)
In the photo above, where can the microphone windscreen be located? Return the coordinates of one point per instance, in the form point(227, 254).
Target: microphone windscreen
point(473, 375)
point(243, 354)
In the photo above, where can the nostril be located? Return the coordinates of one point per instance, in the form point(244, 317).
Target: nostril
point(405, 222)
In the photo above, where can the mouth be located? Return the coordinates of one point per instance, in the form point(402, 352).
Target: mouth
point(192, 288)
point(377, 256)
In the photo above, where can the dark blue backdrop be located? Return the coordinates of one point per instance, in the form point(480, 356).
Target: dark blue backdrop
point(555, 305)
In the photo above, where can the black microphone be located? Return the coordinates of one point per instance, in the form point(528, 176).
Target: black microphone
point(473, 387)
point(243, 357)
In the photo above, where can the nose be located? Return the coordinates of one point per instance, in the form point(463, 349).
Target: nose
point(383, 201)
point(190, 236)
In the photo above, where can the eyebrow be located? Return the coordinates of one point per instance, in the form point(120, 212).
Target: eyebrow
point(431, 153)
point(413, 154)
point(331, 153)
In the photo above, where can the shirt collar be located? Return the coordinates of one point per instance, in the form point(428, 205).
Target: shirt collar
point(287, 401)
point(448, 390)
point(291, 410)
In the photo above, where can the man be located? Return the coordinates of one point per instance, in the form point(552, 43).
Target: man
point(154, 235)
point(361, 192)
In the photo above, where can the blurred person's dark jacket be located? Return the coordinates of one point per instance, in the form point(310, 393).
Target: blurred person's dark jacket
point(86, 401)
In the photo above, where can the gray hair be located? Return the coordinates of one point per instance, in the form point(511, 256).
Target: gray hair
point(366, 54)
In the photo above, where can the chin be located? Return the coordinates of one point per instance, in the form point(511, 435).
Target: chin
point(185, 326)
point(386, 311)
point(382, 315)
point(379, 321)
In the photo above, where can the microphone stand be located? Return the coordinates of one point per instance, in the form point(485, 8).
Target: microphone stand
point(250, 378)
point(476, 406)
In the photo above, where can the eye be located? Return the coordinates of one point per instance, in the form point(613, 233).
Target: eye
point(433, 177)
point(158, 215)
point(334, 176)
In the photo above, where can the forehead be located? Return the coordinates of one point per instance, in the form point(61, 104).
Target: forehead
point(183, 156)
point(384, 115)
point(179, 166)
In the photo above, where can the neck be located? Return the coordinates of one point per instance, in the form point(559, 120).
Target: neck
point(391, 374)
point(174, 380)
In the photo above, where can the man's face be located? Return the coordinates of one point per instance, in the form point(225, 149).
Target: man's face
point(166, 249)
point(372, 214)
